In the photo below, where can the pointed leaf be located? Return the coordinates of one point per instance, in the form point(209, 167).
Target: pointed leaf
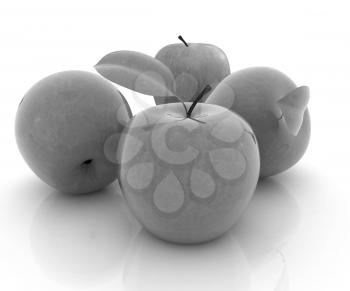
point(138, 72)
point(293, 106)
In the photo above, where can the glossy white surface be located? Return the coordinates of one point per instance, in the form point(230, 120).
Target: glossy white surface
point(295, 234)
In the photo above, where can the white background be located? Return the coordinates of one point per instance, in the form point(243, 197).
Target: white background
point(54, 242)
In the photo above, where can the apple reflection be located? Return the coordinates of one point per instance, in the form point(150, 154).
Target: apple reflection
point(269, 221)
point(81, 240)
point(157, 265)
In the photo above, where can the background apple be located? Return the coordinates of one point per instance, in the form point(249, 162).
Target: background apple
point(61, 126)
point(275, 108)
point(188, 175)
point(194, 65)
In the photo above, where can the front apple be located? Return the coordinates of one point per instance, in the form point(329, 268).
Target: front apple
point(61, 126)
point(194, 65)
point(188, 172)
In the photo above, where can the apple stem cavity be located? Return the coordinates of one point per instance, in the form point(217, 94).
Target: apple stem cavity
point(199, 97)
point(182, 39)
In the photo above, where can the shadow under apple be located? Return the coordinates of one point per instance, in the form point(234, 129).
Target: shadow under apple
point(81, 240)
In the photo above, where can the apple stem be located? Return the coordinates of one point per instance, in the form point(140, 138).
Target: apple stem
point(199, 97)
point(182, 39)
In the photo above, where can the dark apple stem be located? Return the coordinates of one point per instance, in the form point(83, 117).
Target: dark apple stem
point(182, 39)
point(199, 97)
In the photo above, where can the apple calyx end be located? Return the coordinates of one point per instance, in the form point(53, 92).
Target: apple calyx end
point(86, 162)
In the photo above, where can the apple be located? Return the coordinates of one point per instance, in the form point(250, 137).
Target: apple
point(188, 170)
point(275, 108)
point(61, 126)
point(194, 65)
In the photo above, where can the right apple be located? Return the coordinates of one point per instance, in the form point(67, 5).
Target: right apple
point(275, 108)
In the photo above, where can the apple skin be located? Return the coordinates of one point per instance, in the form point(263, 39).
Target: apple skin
point(254, 97)
point(193, 67)
point(187, 180)
point(62, 122)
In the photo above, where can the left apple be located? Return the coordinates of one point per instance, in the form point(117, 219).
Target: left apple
point(61, 125)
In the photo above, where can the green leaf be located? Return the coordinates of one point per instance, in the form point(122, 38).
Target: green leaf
point(138, 72)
